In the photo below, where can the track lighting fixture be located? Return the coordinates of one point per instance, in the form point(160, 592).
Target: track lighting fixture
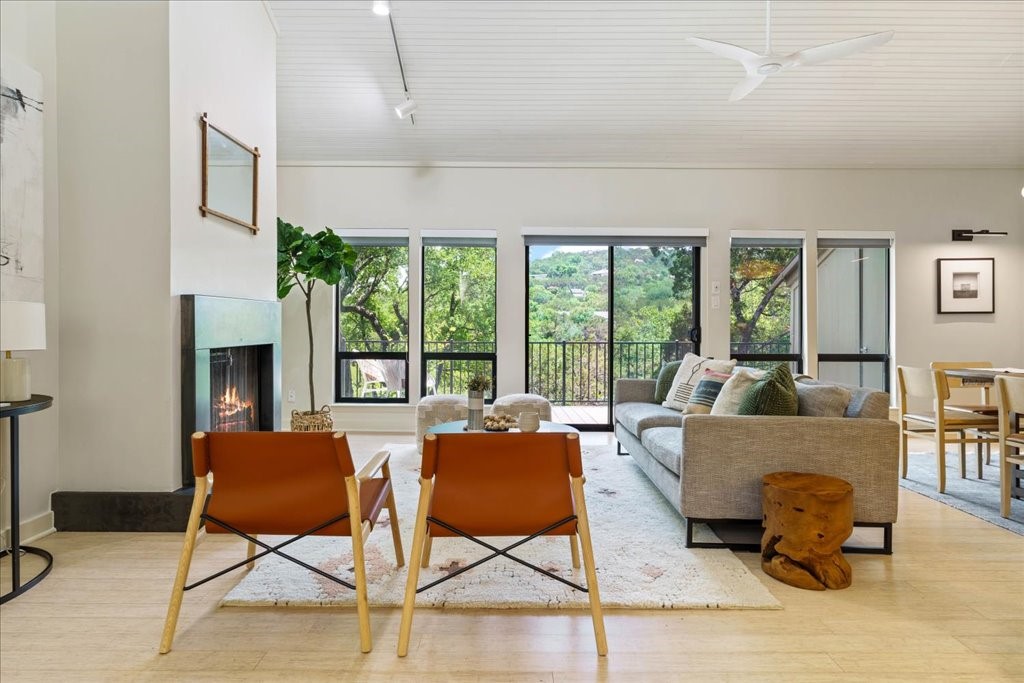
point(969, 235)
point(406, 108)
point(381, 8)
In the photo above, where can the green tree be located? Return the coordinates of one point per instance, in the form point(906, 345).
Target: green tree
point(760, 294)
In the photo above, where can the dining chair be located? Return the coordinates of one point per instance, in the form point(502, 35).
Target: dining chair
point(986, 407)
point(930, 385)
point(503, 484)
point(1010, 395)
point(292, 484)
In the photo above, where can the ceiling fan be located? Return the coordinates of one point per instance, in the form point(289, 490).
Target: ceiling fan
point(759, 67)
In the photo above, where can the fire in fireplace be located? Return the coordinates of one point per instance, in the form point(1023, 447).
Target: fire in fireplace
point(234, 389)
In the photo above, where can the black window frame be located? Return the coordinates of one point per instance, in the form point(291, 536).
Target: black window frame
point(343, 357)
point(425, 356)
point(884, 358)
point(796, 358)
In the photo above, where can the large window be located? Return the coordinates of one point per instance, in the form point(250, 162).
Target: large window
point(765, 290)
point(604, 308)
point(373, 324)
point(853, 312)
point(459, 313)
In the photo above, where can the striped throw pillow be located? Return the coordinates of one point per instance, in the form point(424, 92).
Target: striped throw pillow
point(707, 390)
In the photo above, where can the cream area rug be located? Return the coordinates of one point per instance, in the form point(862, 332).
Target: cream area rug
point(638, 547)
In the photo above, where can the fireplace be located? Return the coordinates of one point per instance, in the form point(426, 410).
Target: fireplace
point(230, 368)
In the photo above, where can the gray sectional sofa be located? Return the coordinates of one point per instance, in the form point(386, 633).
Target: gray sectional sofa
point(709, 467)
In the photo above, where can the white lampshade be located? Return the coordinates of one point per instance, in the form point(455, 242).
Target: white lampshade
point(22, 326)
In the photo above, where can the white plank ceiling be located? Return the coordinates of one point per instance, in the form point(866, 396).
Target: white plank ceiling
point(615, 83)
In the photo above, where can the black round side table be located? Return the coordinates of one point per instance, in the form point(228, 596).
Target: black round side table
point(17, 408)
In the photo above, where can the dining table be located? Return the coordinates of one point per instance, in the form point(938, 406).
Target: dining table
point(986, 377)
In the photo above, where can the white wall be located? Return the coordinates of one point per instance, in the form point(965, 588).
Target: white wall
point(920, 206)
point(222, 62)
point(136, 76)
point(115, 235)
point(27, 35)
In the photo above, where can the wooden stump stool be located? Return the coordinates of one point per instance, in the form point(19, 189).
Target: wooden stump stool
point(806, 519)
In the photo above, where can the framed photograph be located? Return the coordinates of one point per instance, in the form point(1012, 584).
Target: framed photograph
point(966, 285)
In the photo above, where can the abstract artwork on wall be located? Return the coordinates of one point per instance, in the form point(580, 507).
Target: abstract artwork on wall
point(21, 183)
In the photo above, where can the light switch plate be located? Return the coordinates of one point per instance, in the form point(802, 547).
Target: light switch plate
point(715, 302)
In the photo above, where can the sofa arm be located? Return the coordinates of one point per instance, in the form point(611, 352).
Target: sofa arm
point(725, 456)
point(634, 391)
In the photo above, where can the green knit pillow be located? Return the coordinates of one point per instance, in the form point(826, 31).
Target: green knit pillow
point(664, 383)
point(774, 394)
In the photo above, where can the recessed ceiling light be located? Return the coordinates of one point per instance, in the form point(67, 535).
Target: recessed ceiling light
point(381, 8)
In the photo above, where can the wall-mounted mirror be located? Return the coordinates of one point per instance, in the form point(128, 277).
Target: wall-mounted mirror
point(230, 177)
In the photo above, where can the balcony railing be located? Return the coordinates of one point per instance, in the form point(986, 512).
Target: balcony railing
point(566, 372)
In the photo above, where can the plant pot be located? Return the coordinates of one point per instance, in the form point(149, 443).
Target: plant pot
point(313, 420)
point(475, 420)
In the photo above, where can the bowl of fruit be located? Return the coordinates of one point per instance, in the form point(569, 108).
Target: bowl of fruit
point(499, 423)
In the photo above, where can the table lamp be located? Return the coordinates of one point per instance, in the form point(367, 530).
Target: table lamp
point(22, 328)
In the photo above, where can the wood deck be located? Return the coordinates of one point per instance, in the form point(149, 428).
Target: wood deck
point(580, 414)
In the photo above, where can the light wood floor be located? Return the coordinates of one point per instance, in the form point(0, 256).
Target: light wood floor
point(948, 605)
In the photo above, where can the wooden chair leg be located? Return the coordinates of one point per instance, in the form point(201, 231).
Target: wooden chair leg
point(963, 454)
point(418, 540)
point(428, 544)
point(978, 447)
point(359, 564)
point(1005, 472)
point(184, 562)
point(583, 525)
point(988, 454)
point(904, 445)
point(940, 459)
point(250, 552)
point(396, 535)
point(575, 551)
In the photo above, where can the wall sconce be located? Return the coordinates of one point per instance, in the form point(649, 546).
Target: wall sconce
point(969, 235)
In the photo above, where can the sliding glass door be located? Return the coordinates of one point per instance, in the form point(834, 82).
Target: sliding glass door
point(599, 310)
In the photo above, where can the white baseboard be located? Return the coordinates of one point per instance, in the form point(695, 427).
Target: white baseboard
point(31, 529)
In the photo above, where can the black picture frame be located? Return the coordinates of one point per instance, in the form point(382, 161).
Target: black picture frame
point(965, 285)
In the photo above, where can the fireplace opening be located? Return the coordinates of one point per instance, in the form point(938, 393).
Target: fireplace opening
point(230, 368)
point(234, 389)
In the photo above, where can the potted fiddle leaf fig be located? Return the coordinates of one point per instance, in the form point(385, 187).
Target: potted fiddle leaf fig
point(303, 260)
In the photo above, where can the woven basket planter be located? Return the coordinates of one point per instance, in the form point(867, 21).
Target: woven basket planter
point(315, 421)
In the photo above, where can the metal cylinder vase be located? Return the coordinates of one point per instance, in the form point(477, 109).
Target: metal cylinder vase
point(475, 422)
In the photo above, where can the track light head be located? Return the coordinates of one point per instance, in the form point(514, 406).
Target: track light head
point(381, 8)
point(406, 108)
point(969, 235)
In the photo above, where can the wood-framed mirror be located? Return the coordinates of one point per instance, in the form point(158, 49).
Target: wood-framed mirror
point(230, 177)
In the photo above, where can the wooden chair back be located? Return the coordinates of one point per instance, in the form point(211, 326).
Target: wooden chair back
point(914, 383)
point(277, 483)
point(1010, 397)
point(501, 484)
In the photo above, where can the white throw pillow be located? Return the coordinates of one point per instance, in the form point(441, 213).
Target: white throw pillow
point(689, 374)
point(728, 401)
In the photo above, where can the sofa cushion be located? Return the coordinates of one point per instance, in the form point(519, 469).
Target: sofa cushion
point(865, 402)
point(665, 378)
point(733, 391)
point(638, 417)
point(665, 444)
point(822, 400)
point(703, 397)
point(689, 373)
point(774, 394)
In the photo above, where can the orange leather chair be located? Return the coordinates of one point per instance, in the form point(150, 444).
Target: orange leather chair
point(502, 484)
point(284, 483)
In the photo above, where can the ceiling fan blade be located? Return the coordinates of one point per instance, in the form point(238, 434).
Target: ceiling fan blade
point(727, 50)
point(745, 87)
point(843, 48)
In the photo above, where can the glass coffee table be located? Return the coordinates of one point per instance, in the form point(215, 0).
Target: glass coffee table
point(459, 427)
